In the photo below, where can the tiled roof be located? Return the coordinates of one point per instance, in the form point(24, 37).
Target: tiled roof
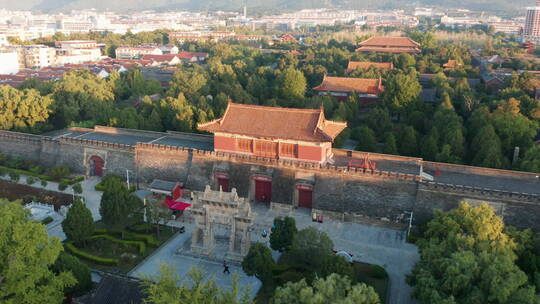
point(365, 65)
point(347, 85)
point(389, 45)
point(159, 58)
point(390, 42)
point(387, 50)
point(276, 123)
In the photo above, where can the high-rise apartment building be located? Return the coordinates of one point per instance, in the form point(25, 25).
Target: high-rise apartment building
point(531, 31)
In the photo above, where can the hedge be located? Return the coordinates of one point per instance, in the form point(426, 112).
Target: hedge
point(377, 272)
point(47, 220)
point(139, 244)
point(41, 176)
point(85, 255)
point(148, 239)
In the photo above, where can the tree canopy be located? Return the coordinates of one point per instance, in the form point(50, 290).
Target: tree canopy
point(466, 257)
point(26, 255)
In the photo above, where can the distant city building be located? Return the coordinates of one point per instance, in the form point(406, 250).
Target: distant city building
point(35, 56)
point(77, 44)
point(131, 52)
point(531, 30)
point(368, 90)
point(9, 62)
point(389, 45)
point(3, 40)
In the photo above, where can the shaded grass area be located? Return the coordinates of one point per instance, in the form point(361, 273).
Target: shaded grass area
point(285, 271)
point(127, 253)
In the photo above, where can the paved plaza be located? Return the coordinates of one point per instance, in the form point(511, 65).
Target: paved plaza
point(369, 244)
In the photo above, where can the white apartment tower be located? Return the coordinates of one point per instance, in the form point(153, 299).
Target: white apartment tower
point(531, 31)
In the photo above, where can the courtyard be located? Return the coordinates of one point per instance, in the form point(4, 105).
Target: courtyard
point(369, 244)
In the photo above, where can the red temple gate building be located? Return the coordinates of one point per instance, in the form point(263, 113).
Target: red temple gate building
point(395, 45)
point(368, 90)
point(273, 132)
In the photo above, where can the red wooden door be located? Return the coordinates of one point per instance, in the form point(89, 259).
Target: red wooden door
point(263, 191)
point(97, 163)
point(305, 198)
point(223, 182)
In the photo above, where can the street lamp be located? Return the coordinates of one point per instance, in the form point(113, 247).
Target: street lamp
point(410, 222)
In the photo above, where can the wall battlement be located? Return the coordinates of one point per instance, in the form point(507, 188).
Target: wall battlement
point(396, 186)
point(96, 143)
point(484, 192)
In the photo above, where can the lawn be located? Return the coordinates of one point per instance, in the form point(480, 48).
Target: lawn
point(128, 255)
point(285, 272)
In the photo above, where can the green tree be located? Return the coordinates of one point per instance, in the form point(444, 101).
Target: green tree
point(312, 243)
point(22, 109)
point(400, 91)
point(79, 224)
point(68, 263)
point(486, 147)
point(26, 253)
point(292, 84)
point(531, 160)
point(333, 289)
point(408, 142)
point(188, 82)
point(259, 262)
point(118, 205)
point(390, 145)
point(282, 234)
point(167, 288)
point(466, 257)
point(366, 139)
point(158, 212)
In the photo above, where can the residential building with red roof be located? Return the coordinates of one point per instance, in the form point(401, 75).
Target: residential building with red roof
point(133, 52)
point(389, 45)
point(368, 90)
point(273, 132)
point(366, 65)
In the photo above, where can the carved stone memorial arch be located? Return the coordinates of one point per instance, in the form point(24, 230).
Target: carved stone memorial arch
point(211, 208)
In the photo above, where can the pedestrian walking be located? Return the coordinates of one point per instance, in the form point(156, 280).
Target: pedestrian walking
point(226, 268)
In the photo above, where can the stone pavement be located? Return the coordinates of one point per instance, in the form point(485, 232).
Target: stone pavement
point(182, 264)
point(369, 244)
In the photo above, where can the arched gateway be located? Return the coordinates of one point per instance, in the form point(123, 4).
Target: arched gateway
point(96, 165)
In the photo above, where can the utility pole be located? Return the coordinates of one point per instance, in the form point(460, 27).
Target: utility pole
point(127, 177)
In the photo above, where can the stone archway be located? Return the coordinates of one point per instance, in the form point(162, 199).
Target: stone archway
point(96, 165)
point(213, 210)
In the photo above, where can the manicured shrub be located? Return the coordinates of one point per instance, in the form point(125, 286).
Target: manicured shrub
point(108, 179)
point(15, 163)
point(47, 220)
point(150, 240)
point(37, 169)
point(81, 272)
point(58, 172)
point(44, 183)
point(62, 186)
point(30, 180)
point(377, 272)
point(85, 255)
point(14, 176)
point(3, 172)
point(140, 245)
point(77, 188)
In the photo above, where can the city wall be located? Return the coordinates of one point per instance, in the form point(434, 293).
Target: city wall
point(338, 192)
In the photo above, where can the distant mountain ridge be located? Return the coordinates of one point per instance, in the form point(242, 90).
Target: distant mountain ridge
point(259, 5)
